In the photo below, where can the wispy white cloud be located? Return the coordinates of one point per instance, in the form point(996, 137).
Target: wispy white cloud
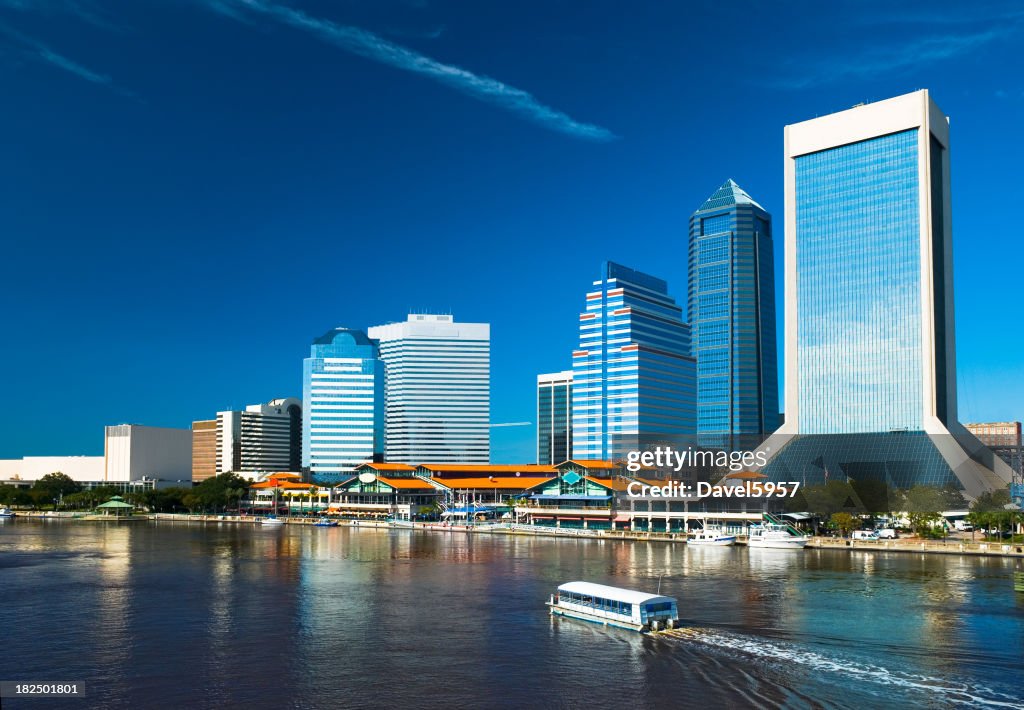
point(41, 52)
point(897, 59)
point(371, 46)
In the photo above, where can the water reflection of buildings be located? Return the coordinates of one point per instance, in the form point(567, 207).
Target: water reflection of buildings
point(114, 602)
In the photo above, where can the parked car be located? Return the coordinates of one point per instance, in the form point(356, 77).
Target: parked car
point(865, 535)
point(886, 534)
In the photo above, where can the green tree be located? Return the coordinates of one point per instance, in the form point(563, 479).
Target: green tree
point(52, 487)
point(952, 497)
point(923, 505)
point(991, 501)
point(220, 492)
point(191, 501)
point(844, 523)
point(8, 494)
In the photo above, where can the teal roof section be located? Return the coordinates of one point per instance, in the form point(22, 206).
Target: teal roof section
point(727, 195)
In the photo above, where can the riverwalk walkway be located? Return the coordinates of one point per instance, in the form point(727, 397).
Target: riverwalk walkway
point(908, 545)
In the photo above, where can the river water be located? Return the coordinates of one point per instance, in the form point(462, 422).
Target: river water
point(220, 615)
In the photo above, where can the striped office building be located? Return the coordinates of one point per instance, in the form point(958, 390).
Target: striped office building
point(264, 438)
point(634, 380)
point(554, 417)
point(438, 389)
point(343, 401)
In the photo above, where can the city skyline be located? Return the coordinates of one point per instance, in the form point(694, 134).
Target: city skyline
point(133, 229)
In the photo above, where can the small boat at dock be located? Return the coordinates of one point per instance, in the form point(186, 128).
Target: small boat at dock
point(271, 521)
point(711, 536)
point(6, 513)
point(325, 523)
point(614, 606)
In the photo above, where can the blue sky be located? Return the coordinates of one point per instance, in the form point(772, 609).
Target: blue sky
point(194, 189)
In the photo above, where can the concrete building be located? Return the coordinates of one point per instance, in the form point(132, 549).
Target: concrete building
point(870, 353)
point(1004, 440)
point(731, 310)
point(87, 470)
point(204, 450)
point(634, 380)
point(994, 434)
point(554, 417)
point(135, 452)
point(343, 404)
point(263, 438)
point(437, 389)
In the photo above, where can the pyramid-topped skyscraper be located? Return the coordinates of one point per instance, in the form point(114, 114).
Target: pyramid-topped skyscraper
point(731, 309)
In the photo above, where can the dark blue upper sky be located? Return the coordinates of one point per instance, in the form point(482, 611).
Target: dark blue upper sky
point(194, 189)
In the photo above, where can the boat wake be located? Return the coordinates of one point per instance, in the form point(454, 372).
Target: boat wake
point(782, 654)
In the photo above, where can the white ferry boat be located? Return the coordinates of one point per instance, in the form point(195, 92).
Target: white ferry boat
point(777, 536)
point(613, 606)
point(711, 536)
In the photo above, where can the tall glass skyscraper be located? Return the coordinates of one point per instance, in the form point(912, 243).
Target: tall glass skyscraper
point(343, 400)
point(554, 417)
point(438, 389)
point(870, 355)
point(634, 380)
point(731, 309)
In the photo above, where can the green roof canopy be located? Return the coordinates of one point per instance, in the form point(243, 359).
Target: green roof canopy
point(114, 504)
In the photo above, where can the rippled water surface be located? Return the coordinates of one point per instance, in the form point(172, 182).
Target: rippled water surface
point(176, 615)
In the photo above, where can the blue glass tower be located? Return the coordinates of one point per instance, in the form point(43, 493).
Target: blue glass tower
point(343, 397)
point(731, 309)
point(870, 354)
point(634, 380)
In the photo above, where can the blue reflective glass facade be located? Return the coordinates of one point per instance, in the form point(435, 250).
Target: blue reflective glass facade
point(859, 287)
point(343, 396)
point(869, 275)
point(731, 303)
point(634, 383)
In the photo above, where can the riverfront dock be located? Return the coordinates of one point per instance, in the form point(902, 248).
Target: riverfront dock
point(904, 545)
point(951, 547)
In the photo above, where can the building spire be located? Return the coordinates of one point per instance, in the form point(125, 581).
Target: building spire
point(728, 194)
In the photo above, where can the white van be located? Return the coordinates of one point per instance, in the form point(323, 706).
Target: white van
point(886, 533)
point(865, 535)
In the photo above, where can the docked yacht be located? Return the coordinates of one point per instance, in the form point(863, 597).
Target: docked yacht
point(711, 536)
point(773, 534)
point(271, 521)
point(613, 606)
point(6, 513)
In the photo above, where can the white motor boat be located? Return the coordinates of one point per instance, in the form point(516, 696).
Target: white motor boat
point(711, 536)
point(6, 513)
point(271, 520)
point(775, 535)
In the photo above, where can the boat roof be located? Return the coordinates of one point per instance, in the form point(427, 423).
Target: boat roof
point(617, 593)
